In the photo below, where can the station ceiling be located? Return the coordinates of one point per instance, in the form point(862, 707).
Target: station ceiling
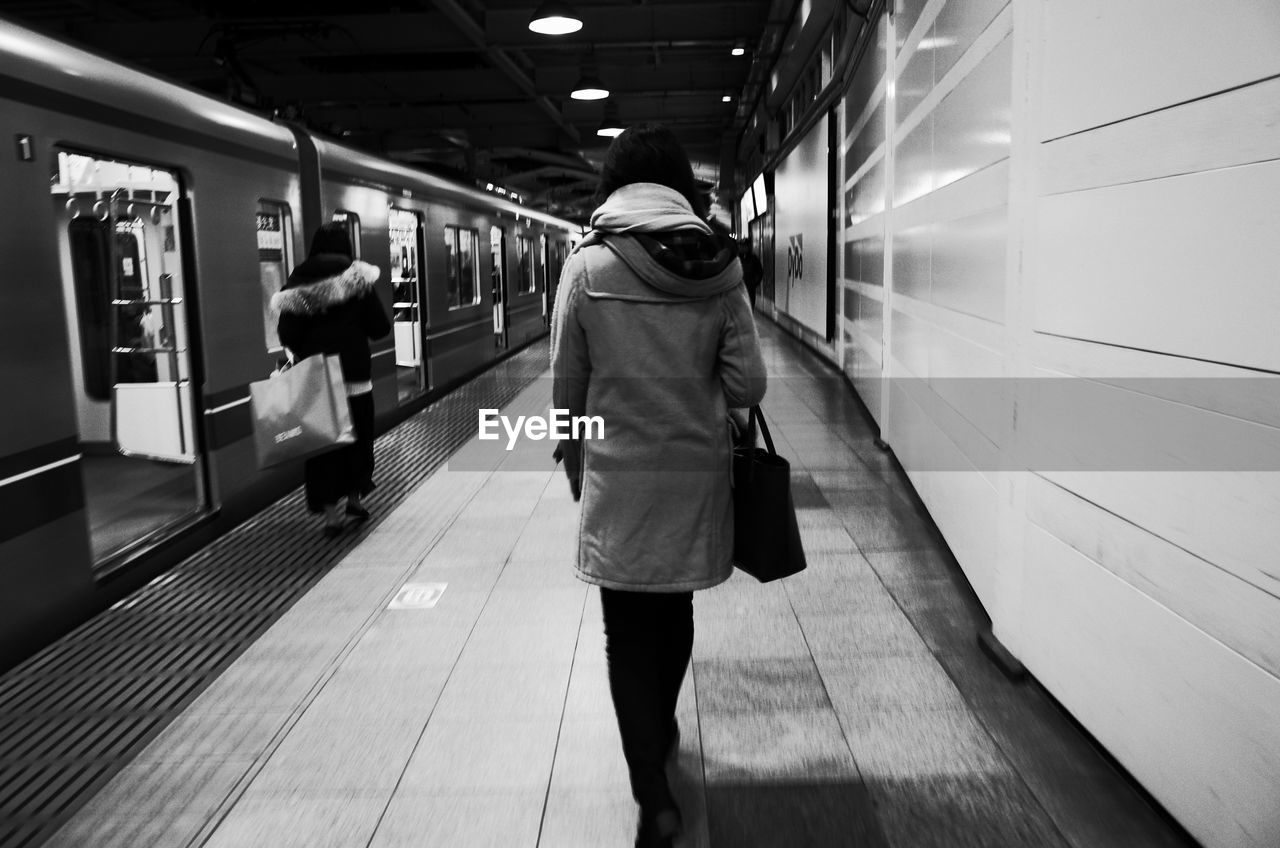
point(461, 87)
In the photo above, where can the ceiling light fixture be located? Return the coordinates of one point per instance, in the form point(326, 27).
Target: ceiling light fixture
point(555, 19)
point(726, 99)
point(738, 50)
point(589, 87)
point(610, 127)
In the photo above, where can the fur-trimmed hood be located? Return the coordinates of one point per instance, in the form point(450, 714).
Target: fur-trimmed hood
point(314, 297)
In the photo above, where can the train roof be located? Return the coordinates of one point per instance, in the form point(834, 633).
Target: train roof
point(95, 86)
point(374, 169)
point(104, 86)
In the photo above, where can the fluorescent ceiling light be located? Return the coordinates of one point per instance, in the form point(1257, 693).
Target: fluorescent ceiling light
point(726, 99)
point(555, 19)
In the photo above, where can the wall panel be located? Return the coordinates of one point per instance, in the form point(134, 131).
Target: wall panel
point(971, 124)
point(802, 226)
point(1139, 241)
point(1199, 251)
point(1103, 62)
point(1218, 602)
point(957, 27)
point(913, 163)
point(1184, 713)
point(1234, 128)
point(911, 258)
point(967, 264)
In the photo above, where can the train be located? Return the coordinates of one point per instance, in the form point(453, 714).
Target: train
point(146, 227)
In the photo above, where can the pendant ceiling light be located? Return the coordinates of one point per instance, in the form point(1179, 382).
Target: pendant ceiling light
point(610, 127)
point(555, 19)
point(589, 87)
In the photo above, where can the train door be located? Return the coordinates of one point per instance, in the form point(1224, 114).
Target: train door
point(498, 285)
point(405, 231)
point(122, 277)
point(543, 262)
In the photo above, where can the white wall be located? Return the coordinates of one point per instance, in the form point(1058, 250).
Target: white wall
point(799, 180)
point(1087, 191)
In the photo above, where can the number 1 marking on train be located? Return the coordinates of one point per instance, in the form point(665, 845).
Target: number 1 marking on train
point(26, 150)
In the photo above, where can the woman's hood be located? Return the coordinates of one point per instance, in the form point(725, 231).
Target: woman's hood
point(303, 295)
point(653, 230)
point(646, 208)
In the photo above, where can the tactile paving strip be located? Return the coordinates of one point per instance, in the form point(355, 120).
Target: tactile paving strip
point(76, 713)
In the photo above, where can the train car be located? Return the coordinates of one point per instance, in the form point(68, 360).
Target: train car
point(467, 273)
point(145, 228)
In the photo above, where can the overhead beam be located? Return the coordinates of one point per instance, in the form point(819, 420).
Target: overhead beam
point(474, 33)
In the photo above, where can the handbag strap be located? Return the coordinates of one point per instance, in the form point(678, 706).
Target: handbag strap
point(758, 415)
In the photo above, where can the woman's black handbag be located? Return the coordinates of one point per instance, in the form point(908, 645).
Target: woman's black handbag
point(766, 536)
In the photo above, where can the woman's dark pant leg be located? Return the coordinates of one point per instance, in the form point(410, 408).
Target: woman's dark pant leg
point(648, 641)
point(359, 477)
point(678, 650)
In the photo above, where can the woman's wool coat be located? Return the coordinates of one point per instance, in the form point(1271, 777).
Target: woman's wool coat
point(660, 357)
point(329, 306)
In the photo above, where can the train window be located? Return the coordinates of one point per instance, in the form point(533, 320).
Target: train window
point(125, 303)
point(404, 230)
point(275, 259)
point(461, 266)
point(352, 220)
point(524, 258)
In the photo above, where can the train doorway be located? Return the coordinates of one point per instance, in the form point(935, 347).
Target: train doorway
point(125, 299)
point(498, 285)
point(544, 262)
point(405, 229)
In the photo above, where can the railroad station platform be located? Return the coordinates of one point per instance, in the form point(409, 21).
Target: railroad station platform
point(847, 706)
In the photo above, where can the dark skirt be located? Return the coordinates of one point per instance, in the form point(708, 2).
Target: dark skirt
point(335, 474)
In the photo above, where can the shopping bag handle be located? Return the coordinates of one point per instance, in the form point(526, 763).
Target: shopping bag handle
point(284, 363)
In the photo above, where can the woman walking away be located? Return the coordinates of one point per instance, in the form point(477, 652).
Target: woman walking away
point(329, 306)
point(652, 332)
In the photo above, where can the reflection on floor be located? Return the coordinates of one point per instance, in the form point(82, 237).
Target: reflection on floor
point(127, 498)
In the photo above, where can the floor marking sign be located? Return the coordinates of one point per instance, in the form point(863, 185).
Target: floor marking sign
point(417, 596)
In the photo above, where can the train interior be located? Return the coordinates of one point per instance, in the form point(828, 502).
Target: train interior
point(405, 231)
point(124, 294)
point(498, 285)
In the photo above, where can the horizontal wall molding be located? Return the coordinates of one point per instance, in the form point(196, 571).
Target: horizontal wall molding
point(1184, 713)
point(877, 98)
point(1204, 385)
point(928, 15)
point(1213, 599)
point(1237, 127)
point(866, 290)
point(872, 227)
point(980, 191)
point(875, 158)
point(995, 33)
point(980, 331)
point(864, 342)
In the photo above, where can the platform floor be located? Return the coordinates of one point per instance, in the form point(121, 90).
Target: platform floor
point(847, 706)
